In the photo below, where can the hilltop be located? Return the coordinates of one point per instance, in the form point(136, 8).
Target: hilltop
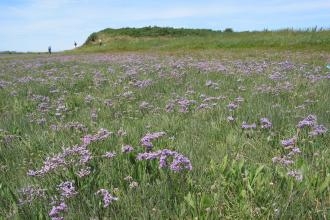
point(168, 39)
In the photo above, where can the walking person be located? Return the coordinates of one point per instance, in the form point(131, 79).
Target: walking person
point(75, 44)
point(50, 50)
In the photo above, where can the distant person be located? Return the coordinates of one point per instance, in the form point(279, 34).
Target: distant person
point(50, 50)
point(75, 44)
point(100, 42)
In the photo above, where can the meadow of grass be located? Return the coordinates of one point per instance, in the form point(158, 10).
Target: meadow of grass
point(205, 134)
point(170, 39)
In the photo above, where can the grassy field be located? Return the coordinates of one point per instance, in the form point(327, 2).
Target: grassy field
point(170, 131)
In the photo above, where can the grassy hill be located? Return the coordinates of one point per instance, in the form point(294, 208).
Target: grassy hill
point(171, 39)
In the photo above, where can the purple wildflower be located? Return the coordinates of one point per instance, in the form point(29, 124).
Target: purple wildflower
point(296, 174)
point(143, 83)
point(294, 151)
point(285, 161)
point(107, 197)
point(230, 119)
point(56, 211)
point(67, 189)
point(265, 123)
point(99, 136)
point(127, 149)
point(232, 106)
point(288, 143)
point(309, 121)
point(109, 154)
point(318, 130)
point(179, 162)
point(248, 126)
point(148, 155)
point(146, 140)
point(84, 172)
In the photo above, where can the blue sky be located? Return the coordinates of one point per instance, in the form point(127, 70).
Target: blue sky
point(33, 25)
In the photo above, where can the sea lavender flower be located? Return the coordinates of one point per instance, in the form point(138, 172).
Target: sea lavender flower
point(108, 102)
point(107, 197)
point(309, 121)
point(318, 130)
point(100, 135)
point(265, 123)
point(179, 162)
point(127, 149)
point(232, 106)
point(294, 151)
point(288, 143)
point(84, 172)
point(143, 83)
point(146, 140)
point(248, 126)
point(109, 154)
point(285, 161)
point(67, 189)
point(148, 155)
point(74, 155)
point(203, 106)
point(296, 174)
point(57, 210)
point(230, 119)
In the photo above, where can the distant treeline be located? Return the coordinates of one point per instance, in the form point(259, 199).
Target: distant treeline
point(9, 52)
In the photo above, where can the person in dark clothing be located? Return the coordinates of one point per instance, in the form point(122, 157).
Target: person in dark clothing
point(75, 44)
point(50, 50)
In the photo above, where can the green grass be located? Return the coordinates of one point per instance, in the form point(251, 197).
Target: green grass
point(170, 39)
point(233, 175)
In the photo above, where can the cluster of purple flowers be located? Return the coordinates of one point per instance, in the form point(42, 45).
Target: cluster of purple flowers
point(318, 130)
point(127, 149)
point(146, 141)
point(296, 174)
point(184, 104)
point(311, 122)
point(109, 155)
point(248, 126)
point(101, 135)
point(179, 162)
point(232, 106)
point(142, 83)
point(67, 189)
point(62, 159)
point(57, 210)
point(291, 144)
point(107, 197)
point(145, 105)
point(264, 122)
